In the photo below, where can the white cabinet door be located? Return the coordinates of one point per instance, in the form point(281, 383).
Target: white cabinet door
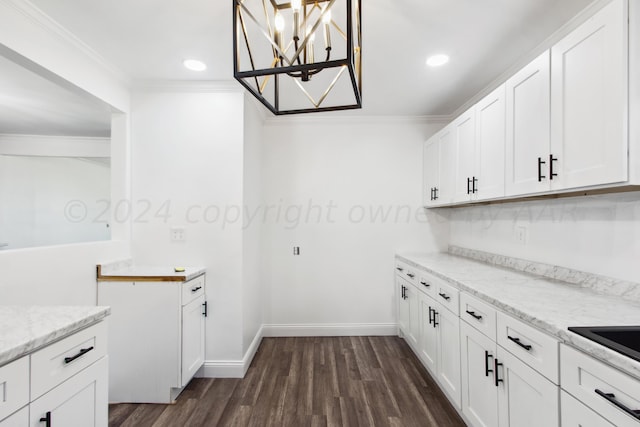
point(403, 306)
point(431, 171)
point(525, 398)
point(19, 419)
point(193, 323)
point(589, 102)
point(447, 164)
point(428, 335)
point(479, 392)
point(576, 414)
point(464, 135)
point(449, 353)
point(80, 401)
point(527, 139)
point(490, 145)
point(412, 298)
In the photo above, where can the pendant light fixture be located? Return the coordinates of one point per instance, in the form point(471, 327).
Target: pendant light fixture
point(299, 56)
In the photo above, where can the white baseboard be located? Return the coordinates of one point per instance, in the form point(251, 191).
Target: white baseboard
point(331, 330)
point(232, 368)
point(238, 368)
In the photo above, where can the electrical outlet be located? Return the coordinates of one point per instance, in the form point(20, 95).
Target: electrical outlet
point(522, 234)
point(178, 234)
point(296, 250)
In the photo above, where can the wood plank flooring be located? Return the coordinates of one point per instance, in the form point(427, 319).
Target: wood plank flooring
point(315, 381)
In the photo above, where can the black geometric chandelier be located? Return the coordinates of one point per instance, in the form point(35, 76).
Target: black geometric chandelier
point(299, 56)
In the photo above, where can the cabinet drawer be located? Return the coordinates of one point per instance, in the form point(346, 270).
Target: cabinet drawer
point(57, 362)
point(582, 375)
point(14, 386)
point(407, 272)
point(428, 283)
point(448, 297)
point(192, 289)
point(478, 314)
point(575, 414)
point(535, 348)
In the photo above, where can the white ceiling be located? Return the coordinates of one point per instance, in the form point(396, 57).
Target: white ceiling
point(148, 39)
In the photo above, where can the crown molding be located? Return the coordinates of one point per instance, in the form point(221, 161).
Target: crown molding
point(188, 86)
point(47, 23)
point(320, 118)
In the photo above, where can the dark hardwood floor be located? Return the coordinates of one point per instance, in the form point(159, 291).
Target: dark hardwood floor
point(316, 381)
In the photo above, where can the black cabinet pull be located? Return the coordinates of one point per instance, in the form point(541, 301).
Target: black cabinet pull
point(196, 289)
point(468, 185)
point(517, 341)
point(411, 275)
point(431, 310)
point(486, 363)
point(46, 419)
point(425, 284)
point(540, 163)
point(402, 291)
point(497, 380)
point(474, 315)
point(551, 160)
point(204, 305)
point(635, 413)
point(445, 296)
point(399, 268)
point(474, 189)
point(82, 352)
point(435, 193)
point(435, 321)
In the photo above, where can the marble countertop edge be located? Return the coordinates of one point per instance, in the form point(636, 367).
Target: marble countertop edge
point(32, 328)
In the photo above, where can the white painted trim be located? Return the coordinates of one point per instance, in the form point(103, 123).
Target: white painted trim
point(44, 21)
point(331, 330)
point(238, 368)
point(54, 146)
point(232, 368)
point(322, 118)
point(189, 86)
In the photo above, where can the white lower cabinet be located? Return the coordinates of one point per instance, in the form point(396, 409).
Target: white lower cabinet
point(170, 317)
point(440, 345)
point(525, 398)
point(78, 402)
point(612, 394)
point(19, 419)
point(62, 384)
point(576, 414)
point(408, 310)
point(479, 392)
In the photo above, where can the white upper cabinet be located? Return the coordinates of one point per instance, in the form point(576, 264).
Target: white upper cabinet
point(589, 102)
point(431, 171)
point(528, 128)
point(464, 135)
point(490, 140)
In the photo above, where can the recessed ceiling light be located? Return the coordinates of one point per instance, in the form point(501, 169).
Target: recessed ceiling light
point(194, 65)
point(437, 60)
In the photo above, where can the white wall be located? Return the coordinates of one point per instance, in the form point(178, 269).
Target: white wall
point(46, 201)
point(597, 234)
point(252, 293)
point(324, 181)
point(63, 275)
point(187, 163)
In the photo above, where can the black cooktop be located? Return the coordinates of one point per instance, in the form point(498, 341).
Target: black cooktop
point(623, 339)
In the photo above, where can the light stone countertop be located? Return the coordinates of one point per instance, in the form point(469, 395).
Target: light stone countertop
point(548, 304)
point(24, 329)
point(126, 270)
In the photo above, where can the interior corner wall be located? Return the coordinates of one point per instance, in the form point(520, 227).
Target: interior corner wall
point(252, 295)
point(597, 234)
point(348, 193)
point(63, 274)
point(187, 163)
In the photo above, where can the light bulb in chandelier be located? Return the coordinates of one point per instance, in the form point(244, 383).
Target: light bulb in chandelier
point(278, 22)
point(296, 5)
